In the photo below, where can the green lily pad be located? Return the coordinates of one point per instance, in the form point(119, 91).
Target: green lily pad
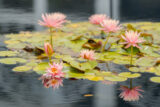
point(8, 53)
point(22, 68)
point(12, 60)
point(129, 75)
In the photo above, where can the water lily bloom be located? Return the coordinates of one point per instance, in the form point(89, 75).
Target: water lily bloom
point(132, 39)
point(87, 54)
point(97, 18)
point(110, 25)
point(130, 94)
point(53, 20)
point(55, 70)
point(48, 49)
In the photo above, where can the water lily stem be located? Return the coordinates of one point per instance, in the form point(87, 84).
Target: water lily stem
point(51, 41)
point(50, 59)
point(106, 41)
point(131, 61)
point(131, 83)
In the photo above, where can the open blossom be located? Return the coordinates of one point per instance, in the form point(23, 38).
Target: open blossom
point(110, 25)
point(48, 49)
point(54, 20)
point(55, 70)
point(87, 54)
point(130, 94)
point(132, 39)
point(97, 18)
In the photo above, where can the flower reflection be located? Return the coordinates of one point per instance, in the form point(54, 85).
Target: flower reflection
point(109, 82)
point(130, 94)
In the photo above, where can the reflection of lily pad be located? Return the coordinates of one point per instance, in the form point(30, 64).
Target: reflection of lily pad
point(12, 60)
point(155, 79)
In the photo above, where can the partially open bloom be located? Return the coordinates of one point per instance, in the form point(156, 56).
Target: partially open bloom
point(130, 94)
point(87, 54)
point(48, 49)
point(54, 20)
point(97, 18)
point(132, 39)
point(55, 70)
point(110, 25)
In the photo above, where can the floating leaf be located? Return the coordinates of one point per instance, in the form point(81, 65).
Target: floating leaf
point(41, 67)
point(115, 78)
point(22, 68)
point(8, 53)
point(12, 60)
point(129, 75)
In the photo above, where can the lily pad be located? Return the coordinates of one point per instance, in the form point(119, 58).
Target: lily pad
point(129, 75)
point(12, 60)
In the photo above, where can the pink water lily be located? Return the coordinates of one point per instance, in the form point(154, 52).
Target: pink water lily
point(97, 18)
point(110, 25)
point(54, 20)
point(55, 70)
point(48, 49)
point(87, 54)
point(132, 39)
point(130, 94)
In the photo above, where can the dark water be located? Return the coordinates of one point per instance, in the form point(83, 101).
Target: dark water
point(25, 90)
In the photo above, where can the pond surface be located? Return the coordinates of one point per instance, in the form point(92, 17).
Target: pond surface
point(25, 90)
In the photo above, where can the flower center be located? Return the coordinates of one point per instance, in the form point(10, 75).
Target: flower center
point(54, 70)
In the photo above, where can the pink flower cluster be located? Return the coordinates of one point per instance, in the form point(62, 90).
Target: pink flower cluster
point(87, 54)
point(130, 94)
point(53, 76)
point(53, 20)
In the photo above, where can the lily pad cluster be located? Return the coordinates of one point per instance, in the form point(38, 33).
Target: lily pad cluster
point(26, 50)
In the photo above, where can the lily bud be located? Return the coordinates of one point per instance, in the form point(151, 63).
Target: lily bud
point(48, 49)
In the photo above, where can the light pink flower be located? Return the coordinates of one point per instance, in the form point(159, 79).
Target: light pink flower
point(55, 70)
point(87, 54)
point(54, 20)
point(97, 18)
point(110, 25)
point(132, 39)
point(130, 94)
point(108, 82)
point(48, 49)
